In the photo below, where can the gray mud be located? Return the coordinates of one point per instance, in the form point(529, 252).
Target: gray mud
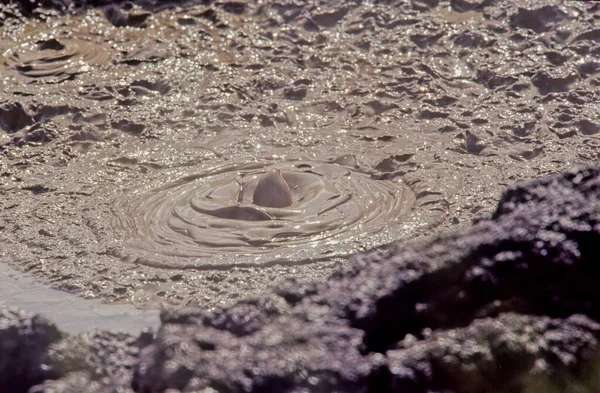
point(132, 140)
point(509, 304)
point(71, 314)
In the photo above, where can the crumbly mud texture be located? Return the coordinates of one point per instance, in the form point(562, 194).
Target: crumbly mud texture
point(507, 305)
point(129, 132)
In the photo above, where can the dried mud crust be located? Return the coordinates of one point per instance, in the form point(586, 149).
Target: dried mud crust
point(509, 304)
point(457, 99)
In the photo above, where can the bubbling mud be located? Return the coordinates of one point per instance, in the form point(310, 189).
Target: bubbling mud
point(259, 214)
point(55, 58)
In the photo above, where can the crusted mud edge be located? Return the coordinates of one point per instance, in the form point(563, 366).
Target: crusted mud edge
point(510, 304)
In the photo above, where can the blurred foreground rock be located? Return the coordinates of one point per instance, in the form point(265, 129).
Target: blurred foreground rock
point(24, 342)
point(510, 304)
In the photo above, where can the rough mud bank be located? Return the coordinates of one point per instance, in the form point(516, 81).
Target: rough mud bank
point(507, 305)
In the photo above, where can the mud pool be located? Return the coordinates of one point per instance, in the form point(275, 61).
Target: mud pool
point(134, 139)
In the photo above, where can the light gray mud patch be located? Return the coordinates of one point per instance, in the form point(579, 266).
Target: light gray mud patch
point(71, 314)
point(447, 101)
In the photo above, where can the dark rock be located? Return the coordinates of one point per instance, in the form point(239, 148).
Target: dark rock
point(241, 319)
point(288, 354)
point(536, 255)
point(95, 361)
point(103, 355)
point(24, 342)
point(507, 354)
point(78, 382)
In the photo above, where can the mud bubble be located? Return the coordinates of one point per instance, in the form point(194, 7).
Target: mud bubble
point(259, 214)
point(55, 58)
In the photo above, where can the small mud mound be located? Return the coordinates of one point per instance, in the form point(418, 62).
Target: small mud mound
point(238, 215)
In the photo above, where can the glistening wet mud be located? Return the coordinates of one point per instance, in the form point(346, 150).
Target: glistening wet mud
point(260, 214)
point(134, 140)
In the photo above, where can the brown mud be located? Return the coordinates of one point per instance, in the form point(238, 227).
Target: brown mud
point(132, 141)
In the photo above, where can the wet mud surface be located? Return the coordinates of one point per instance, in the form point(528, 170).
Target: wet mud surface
point(200, 154)
point(509, 304)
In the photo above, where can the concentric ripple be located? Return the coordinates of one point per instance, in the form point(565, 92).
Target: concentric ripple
point(259, 214)
point(55, 57)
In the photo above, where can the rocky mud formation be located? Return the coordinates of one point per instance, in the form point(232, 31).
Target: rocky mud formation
point(507, 305)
